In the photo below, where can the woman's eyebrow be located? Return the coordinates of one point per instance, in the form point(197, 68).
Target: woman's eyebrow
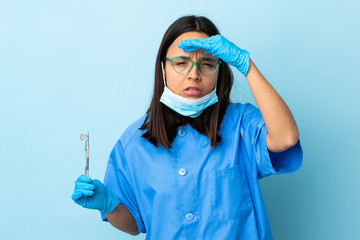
point(204, 58)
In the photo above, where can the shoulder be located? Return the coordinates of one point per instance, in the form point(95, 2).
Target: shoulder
point(132, 133)
point(240, 107)
point(240, 111)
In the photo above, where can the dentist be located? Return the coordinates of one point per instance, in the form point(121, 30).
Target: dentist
point(190, 167)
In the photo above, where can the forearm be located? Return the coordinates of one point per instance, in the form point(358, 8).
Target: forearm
point(122, 219)
point(280, 123)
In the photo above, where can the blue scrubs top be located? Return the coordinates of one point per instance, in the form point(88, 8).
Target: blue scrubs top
point(193, 191)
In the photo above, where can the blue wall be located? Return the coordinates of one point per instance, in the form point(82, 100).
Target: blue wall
point(68, 67)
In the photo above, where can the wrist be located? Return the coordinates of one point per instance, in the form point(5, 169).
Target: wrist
point(110, 203)
point(244, 62)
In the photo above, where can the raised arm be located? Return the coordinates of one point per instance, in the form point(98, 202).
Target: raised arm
point(280, 123)
point(282, 130)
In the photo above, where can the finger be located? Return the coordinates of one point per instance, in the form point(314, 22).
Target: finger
point(84, 186)
point(97, 183)
point(84, 193)
point(76, 195)
point(84, 178)
point(87, 193)
point(190, 49)
point(194, 44)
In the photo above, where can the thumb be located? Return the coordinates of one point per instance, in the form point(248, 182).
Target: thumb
point(98, 184)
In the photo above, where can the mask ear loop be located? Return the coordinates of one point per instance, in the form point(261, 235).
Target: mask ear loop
point(162, 70)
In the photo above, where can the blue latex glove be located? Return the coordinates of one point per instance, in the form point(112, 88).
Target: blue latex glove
point(222, 48)
point(93, 194)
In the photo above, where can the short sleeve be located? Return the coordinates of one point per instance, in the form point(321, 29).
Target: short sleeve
point(118, 180)
point(266, 163)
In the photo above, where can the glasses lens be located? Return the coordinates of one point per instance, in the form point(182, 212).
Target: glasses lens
point(208, 66)
point(181, 65)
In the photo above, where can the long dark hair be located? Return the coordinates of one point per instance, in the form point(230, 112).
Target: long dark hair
point(161, 122)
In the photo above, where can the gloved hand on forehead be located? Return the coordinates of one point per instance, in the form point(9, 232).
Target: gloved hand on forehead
point(222, 48)
point(93, 194)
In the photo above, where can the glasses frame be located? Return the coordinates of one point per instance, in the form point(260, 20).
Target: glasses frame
point(218, 61)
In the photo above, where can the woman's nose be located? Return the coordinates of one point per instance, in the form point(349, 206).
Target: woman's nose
point(194, 74)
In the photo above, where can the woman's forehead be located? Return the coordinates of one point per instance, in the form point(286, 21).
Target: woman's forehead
point(190, 35)
point(174, 50)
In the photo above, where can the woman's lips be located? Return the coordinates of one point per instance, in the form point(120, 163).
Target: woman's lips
point(192, 91)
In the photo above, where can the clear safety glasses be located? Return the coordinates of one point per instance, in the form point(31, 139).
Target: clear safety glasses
point(206, 66)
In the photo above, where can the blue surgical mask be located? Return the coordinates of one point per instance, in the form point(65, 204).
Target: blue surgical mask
point(185, 106)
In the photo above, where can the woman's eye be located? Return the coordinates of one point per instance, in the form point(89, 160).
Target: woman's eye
point(180, 63)
point(208, 64)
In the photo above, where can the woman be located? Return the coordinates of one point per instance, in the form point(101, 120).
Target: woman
point(189, 168)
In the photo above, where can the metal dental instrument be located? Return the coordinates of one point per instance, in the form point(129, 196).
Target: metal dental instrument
point(85, 138)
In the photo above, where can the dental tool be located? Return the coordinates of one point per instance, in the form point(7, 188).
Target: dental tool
point(85, 138)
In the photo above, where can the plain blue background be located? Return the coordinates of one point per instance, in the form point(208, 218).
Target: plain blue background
point(68, 67)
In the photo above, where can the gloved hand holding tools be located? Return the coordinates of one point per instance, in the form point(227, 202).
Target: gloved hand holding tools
point(93, 194)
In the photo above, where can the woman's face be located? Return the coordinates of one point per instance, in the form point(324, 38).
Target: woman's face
point(192, 84)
